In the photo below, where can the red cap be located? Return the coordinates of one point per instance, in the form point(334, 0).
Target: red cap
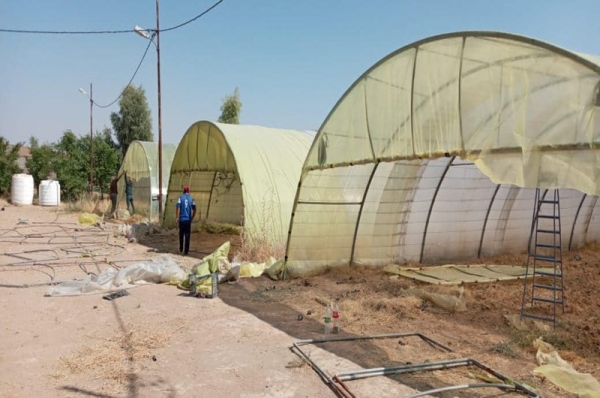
point(186, 188)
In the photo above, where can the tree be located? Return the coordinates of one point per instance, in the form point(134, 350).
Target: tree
point(8, 163)
point(134, 121)
point(41, 162)
point(106, 160)
point(231, 108)
point(72, 165)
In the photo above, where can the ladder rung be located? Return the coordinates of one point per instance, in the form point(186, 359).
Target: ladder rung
point(541, 318)
point(546, 216)
point(548, 231)
point(548, 274)
point(548, 201)
point(547, 258)
point(549, 287)
point(547, 246)
point(547, 300)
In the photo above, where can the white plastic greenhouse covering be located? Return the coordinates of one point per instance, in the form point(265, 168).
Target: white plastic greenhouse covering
point(240, 174)
point(141, 164)
point(434, 152)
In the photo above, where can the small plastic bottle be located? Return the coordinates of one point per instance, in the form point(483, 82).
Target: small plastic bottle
point(336, 317)
point(328, 319)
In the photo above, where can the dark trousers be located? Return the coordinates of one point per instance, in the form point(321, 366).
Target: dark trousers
point(113, 199)
point(129, 200)
point(185, 228)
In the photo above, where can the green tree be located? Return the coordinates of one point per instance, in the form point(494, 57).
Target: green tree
point(231, 108)
point(41, 162)
point(8, 163)
point(134, 121)
point(72, 165)
point(106, 160)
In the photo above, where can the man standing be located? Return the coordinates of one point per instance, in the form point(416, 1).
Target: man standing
point(186, 211)
point(114, 193)
point(129, 193)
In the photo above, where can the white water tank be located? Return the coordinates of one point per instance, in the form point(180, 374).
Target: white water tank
point(49, 193)
point(22, 189)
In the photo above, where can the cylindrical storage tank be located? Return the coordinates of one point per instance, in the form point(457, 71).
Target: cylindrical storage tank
point(22, 189)
point(49, 193)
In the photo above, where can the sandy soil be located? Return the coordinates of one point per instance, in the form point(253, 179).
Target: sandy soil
point(239, 344)
point(211, 348)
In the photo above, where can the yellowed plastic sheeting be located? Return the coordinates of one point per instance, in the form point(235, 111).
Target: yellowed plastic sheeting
point(238, 174)
point(433, 153)
point(459, 274)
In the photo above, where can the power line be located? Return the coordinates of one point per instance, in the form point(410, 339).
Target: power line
point(193, 19)
point(66, 32)
point(130, 80)
point(103, 32)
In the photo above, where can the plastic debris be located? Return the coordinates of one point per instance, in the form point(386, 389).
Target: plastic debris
point(87, 219)
point(562, 374)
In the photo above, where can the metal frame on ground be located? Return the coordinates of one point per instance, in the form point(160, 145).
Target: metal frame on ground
point(336, 382)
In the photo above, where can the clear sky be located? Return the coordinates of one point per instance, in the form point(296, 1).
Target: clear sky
point(291, 60)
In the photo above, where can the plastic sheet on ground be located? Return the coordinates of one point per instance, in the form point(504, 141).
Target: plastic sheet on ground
point(87, 219)
point(446, 301)
point(452, 274)
point(562, 374)
point(161, 269)
point(218, 262)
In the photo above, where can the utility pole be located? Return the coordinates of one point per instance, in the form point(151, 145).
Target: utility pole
point(91, 145)
point(160, 164)
point(144, 33)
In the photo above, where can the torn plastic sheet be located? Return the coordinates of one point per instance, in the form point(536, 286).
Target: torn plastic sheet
point(218, 262)
point(161, 269)
point(562, 373)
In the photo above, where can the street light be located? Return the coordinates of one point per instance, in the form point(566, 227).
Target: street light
point(82, 91)
point(156, 33)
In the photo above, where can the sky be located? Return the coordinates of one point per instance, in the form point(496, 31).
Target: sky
point(292, 60)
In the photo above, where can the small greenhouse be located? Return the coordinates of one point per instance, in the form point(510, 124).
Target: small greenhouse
point(435, 152)
point(141, 165)
point(240, 175)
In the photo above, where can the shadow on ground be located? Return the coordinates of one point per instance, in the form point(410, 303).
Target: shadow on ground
point(243, 296)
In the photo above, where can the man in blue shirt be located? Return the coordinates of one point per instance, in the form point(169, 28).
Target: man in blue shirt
point(186, 211)
point(129, 193)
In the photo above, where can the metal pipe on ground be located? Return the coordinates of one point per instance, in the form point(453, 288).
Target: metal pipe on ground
point(363, 374)
point(506, 387)
point(373, 337)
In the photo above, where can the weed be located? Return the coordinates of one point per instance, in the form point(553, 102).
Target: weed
point(505, 348)
point(213, 227)
point(260, 243)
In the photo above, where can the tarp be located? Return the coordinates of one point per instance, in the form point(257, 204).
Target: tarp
point(160, 269)
point(141, 164)
point(240, 174)
point(452, 274)
point(432, 153)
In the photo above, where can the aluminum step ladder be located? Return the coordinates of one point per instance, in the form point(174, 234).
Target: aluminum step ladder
point(544, 250)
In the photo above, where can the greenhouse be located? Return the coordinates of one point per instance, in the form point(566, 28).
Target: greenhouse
point(241, 175)
point(435, 153)
point(141, 165)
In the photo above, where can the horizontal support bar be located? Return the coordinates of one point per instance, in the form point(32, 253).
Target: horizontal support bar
point(463, 154)
point(331, 203)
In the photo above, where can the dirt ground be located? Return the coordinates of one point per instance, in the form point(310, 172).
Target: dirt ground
point(159, 342)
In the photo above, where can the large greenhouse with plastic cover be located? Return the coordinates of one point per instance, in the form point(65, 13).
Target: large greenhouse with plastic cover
point(437, 153)
point(241, 175)
point(141, 165)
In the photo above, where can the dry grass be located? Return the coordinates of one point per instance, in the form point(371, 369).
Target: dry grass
point(213, 227)
point(87, 205)
point(258, 248)
point(117, 358)
point(260, 245)
point(135, 219)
